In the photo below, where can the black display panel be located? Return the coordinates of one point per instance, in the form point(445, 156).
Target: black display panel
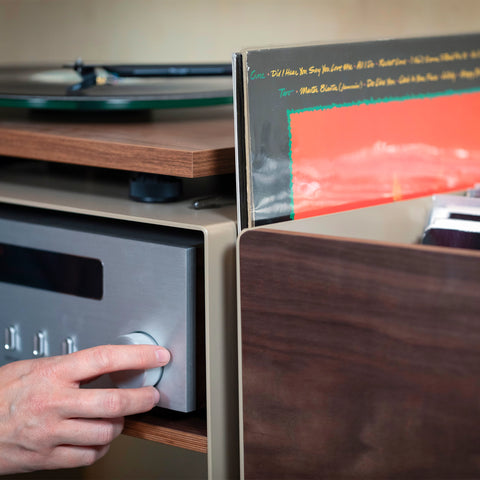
point(53, 271)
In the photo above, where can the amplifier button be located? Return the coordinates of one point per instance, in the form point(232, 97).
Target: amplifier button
point(10, 339)
point(136, 378)
point(39, 344)
point(68, 346)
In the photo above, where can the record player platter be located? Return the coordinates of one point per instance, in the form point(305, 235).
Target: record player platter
point(115, 87)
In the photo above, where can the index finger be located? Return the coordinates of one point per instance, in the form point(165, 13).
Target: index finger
point(96, 361)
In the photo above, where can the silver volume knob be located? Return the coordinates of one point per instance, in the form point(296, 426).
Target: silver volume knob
point(136, 378)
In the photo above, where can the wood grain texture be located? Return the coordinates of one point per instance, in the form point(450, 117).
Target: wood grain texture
point(188, 143)
point(180, 430)
point(360, 360)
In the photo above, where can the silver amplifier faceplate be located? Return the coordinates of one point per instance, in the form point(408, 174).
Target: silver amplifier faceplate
point(73, 282)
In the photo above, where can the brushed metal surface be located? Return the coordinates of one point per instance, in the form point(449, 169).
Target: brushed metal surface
point(148, 285)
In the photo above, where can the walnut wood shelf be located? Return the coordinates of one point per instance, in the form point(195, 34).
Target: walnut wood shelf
point(188, 143)
point(187, 431)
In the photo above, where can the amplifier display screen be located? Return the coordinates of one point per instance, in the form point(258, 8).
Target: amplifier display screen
point(53, 271)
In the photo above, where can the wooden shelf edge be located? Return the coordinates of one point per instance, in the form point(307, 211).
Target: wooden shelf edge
point(188, 432)
point(168, 436)
point(184, 143)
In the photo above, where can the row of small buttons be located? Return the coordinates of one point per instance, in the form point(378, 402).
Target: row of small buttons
point(12, 341)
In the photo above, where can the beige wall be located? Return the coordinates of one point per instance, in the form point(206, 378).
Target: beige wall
point(209, 30)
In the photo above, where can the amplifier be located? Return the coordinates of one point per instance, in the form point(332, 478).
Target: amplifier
point(70, 281)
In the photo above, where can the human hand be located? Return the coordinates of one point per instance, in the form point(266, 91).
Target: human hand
point(48, 422)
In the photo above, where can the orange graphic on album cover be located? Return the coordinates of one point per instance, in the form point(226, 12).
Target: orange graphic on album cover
point(377, 151)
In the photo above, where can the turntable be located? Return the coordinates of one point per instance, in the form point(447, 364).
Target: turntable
point(82, 86)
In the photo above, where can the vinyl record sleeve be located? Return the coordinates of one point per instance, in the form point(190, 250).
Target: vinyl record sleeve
point(334, 127)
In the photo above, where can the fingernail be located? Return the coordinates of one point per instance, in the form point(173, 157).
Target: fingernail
point(163, 355)
point(156, 396)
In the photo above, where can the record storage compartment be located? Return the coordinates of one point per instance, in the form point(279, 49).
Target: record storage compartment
point(370, 339)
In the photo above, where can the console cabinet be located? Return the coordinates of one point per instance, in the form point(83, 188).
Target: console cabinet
point(78, 163)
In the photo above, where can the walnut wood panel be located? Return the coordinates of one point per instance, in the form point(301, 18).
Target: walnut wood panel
point(188, 143)
point(180, 430)
point(360, 360)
